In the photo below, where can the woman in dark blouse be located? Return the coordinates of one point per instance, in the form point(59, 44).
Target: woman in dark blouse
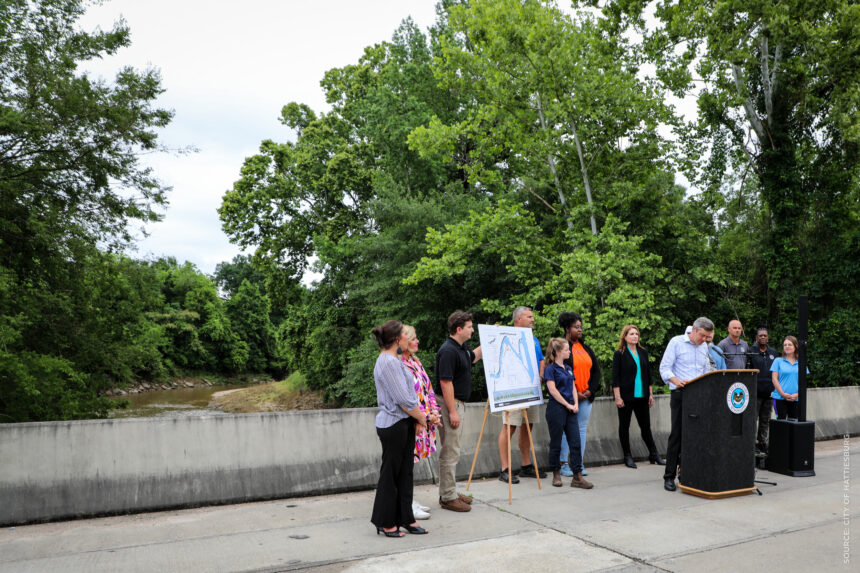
point(561, 412)
point(631, 383)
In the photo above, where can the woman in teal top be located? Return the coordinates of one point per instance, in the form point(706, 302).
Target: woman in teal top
point(631, 383)
point(784, 372)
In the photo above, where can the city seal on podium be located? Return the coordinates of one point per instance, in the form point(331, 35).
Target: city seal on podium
point(738, 397)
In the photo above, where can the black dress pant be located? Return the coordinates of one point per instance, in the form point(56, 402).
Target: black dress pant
point(638, 406)
point(393, 503)
point(786, 409)
point(673, 449)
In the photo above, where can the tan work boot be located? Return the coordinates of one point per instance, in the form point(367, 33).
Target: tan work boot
point(556, 478)
point(581, 482)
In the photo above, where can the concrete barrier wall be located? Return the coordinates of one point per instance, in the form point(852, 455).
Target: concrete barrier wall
point(61, 470)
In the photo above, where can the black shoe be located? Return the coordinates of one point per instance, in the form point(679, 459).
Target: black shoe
point(395, 533)
point(628, 461)
point(529, 472)
point(669, 484)
point(414, 530)
point(656, 459)
point(504, 477)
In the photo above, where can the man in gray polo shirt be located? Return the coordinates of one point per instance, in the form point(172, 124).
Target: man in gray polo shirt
point(734, 349)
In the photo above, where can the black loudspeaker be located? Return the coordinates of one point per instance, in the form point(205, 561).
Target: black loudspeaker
point(791, 448)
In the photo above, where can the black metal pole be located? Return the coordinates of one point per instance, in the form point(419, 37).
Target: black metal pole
point(802, 337)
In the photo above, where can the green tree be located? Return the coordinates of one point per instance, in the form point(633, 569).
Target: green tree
point(566, 138)
point(558, 106)
point(778, 103)
point(607, 277)
point(229, 276)
point(775, 147)
point(352, 193)
point(70, 179)
point(248, 310)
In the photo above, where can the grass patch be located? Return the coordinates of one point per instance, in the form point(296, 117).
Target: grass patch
point(296, 382)
point(289, 394)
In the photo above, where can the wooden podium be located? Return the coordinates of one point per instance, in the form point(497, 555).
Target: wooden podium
point(718, 431)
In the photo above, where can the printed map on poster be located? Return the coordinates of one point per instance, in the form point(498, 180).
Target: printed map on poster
point(511, 367)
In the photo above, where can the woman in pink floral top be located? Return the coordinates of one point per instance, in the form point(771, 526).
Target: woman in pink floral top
point(425, 440)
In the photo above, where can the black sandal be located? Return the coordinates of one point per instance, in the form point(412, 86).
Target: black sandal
point(416, 530)
point(395, 533)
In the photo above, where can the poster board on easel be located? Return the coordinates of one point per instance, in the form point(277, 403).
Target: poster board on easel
point(513, 382)
point(510, 366)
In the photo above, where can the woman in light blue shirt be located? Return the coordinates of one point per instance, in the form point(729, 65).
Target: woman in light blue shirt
point(784, 372)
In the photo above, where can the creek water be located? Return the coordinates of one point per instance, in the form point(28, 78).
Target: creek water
point(170, 403)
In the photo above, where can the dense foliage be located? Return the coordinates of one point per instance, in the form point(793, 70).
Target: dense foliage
point(515, 153)
point(76, 318)
point(518, 154)
point(122, 320)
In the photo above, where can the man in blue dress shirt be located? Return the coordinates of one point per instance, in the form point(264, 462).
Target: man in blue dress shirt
point(686, 358)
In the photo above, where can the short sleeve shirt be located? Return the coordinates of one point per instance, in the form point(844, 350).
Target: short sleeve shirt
point(788, 376)
point(563, 378)
point(735, 354)
point(454, 362)
point(538, 351)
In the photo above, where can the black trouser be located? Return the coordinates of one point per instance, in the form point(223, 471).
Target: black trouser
point(393, 503)
point(638, 406)
point(673, 449)
point(786, 409)
point(763, 411)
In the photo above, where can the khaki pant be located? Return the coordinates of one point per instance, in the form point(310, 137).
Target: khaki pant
point(449, 455)
point(517, 416)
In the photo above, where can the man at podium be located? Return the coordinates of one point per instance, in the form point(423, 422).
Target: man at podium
point(686, 357)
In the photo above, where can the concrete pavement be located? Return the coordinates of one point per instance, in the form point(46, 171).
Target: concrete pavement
point(627, 523)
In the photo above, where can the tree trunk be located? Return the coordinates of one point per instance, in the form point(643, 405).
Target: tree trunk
point(551, 161)
point(585, 180)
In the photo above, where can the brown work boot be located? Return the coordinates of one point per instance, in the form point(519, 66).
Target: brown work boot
point(556, 478)
point(467, 499)
point(579, 481)
point(455, 504)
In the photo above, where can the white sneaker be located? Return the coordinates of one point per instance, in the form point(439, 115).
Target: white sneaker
point(418, 512)
point(423, 508)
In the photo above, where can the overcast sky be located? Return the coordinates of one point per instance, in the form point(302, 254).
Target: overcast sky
point(228, 68)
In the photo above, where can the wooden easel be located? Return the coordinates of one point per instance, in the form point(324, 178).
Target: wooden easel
point(510, 472)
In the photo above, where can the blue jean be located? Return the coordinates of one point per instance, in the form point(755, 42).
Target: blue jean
point(583, 416)
point(562, 422)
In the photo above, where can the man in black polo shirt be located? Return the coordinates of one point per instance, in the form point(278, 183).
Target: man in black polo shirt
point(454, 383)
point(761, 357)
